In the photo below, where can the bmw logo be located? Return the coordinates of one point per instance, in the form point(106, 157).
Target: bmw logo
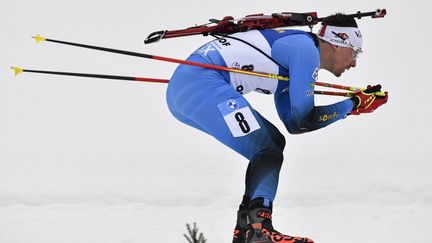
point(232, 105)
point(235, 65)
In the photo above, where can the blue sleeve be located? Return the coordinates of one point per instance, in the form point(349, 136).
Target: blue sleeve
point(296, 107)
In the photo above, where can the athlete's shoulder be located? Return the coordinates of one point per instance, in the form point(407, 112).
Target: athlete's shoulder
point(299, 40)
point(301, 43)
point(274, 35)
point(296, 48)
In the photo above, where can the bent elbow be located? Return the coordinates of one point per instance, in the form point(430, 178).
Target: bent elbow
point(294, 129)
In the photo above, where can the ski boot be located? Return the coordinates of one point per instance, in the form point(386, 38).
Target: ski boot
point(241, 226)
point(260, 228)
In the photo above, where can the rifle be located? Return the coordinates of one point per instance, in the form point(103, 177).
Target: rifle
point(229, 25)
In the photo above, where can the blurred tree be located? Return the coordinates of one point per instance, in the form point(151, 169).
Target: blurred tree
point(194, 237)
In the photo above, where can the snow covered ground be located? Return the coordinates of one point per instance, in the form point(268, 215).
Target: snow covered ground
point(99, 161)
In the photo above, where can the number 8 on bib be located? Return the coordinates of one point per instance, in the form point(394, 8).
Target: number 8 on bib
point(239, 117)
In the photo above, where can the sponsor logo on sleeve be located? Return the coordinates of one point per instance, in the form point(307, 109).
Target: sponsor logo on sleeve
point(326, 117)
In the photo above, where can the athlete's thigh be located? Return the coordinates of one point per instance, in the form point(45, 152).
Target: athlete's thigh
point(228, 116)
point(203, 99)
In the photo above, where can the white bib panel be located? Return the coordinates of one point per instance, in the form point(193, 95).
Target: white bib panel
point(237, 54)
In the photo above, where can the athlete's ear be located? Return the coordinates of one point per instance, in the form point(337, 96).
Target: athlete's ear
point(335, 48)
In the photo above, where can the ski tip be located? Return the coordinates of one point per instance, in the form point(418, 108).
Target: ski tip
point(38, 38)
point(17, 70)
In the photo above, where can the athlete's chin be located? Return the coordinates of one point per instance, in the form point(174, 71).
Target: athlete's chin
point(337, 74)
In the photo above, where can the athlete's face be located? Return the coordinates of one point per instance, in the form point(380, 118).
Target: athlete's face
point(344, 59)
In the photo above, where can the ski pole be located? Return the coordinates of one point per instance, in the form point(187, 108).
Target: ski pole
point(334, 93)
point(19, 70)
point(343, 87)
point(336, 86)
point(39, 38)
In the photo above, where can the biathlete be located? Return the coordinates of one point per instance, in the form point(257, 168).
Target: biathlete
point(213, 102)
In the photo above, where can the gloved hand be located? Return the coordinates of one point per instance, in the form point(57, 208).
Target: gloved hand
point(368, 100)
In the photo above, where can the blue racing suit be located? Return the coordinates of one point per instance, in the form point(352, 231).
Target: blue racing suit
point(213, 102)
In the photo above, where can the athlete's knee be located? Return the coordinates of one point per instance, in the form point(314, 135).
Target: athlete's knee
point(271, 157)
point(280, 141)
point(277, 137)
point(270, 151)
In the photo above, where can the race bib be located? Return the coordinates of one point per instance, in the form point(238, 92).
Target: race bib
point(239, 55)
point(239, 117)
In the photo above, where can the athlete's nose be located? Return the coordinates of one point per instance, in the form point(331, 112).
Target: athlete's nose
point(354, 63)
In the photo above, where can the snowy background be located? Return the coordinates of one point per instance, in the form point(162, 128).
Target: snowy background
point(102, 161)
